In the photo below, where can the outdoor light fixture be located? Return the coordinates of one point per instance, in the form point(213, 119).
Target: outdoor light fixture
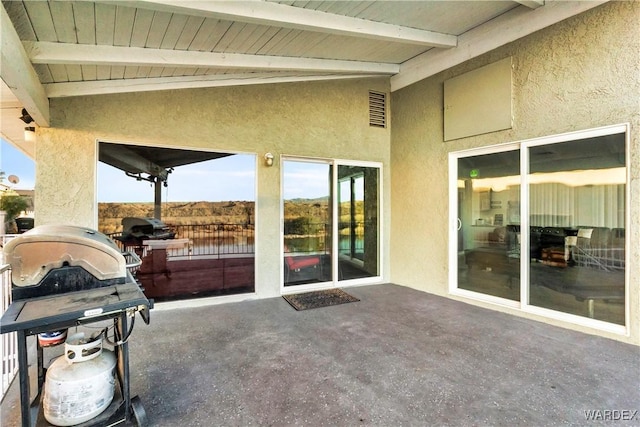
point(30, 134)
point(26, 117)
point(29, 131)
point(268, 159)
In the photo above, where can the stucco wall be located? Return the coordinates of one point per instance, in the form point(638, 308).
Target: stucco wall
point(579, 74)
point(318, 119)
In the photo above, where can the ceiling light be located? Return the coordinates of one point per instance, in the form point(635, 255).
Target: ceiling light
point(26, 117)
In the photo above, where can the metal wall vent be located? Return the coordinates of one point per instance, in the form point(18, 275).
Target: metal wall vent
point(377, 109)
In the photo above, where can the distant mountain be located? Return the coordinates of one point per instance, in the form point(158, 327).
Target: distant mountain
point(324, 199)
point(179, 213)
point(201, 212)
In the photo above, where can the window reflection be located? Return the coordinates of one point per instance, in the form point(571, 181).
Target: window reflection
point(358, 222)
point(307, 222)
point(577, 217)
point(194, 234)
point(576, 231)
point(489, 213)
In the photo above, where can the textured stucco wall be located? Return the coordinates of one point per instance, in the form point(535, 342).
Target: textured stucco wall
point(318, 119)
point(579, 74)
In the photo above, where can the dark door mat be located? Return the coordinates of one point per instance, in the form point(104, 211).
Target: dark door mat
point(317, 299)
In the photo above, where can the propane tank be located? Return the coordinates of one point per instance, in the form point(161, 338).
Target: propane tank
point(80, 385)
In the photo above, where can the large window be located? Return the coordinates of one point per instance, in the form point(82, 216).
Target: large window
point(541, 225)
point(331, 228)
point(189, 215)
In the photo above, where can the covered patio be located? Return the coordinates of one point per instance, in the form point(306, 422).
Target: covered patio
point(397, 357)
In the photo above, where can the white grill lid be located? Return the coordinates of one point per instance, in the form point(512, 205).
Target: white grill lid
point(33, 254)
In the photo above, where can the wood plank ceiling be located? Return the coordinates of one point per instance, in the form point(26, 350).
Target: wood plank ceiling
point(75, 48)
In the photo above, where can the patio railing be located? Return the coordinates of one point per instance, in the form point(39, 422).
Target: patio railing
point(8, 342)
point(217, 239)
point(205, 240)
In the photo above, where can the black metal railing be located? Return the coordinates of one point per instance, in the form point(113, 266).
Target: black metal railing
point(195, 240)
point(239, 239)
point(218, 239)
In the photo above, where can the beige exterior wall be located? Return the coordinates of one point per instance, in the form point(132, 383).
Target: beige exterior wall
point(317, 119)
point(579, 74)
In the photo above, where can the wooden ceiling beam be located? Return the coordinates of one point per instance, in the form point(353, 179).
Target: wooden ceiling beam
point(508, 27)
point(532, 4)
point(284, 16)
point(18, 74)
point(78, 54)
point(102, 87)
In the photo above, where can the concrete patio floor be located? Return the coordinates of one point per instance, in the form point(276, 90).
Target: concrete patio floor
point(397, 357)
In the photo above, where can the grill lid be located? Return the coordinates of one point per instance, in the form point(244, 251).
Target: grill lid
point(38, 251)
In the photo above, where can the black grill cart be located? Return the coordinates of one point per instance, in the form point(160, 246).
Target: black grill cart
point(63, 277)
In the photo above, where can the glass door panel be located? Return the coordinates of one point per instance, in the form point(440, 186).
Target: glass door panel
point(357, 222)
point(307, 205)
point(489, 224)
point(577, 227)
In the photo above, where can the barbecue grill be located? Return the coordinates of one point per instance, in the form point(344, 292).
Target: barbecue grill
point(135, 230)
point(23, 224)
point(65, 276)
point(54, 259)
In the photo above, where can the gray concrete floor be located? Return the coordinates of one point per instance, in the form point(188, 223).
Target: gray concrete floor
point(397, 357)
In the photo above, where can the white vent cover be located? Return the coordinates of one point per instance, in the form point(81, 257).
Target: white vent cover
point(377, 109)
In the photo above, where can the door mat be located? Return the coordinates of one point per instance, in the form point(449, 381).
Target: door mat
point(317, 299)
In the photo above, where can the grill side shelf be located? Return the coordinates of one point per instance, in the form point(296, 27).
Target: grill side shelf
point(54, 312)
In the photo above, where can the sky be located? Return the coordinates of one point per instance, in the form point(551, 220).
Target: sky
point(305, 180)
point(224, 179)
point(14, 162)
point(310, 180)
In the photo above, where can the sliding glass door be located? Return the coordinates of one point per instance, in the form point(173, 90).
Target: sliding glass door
point(577, 227)
point(330, 222)
point(358, 222)
point(488, 189)
point(541, 225)
point(307, 210)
